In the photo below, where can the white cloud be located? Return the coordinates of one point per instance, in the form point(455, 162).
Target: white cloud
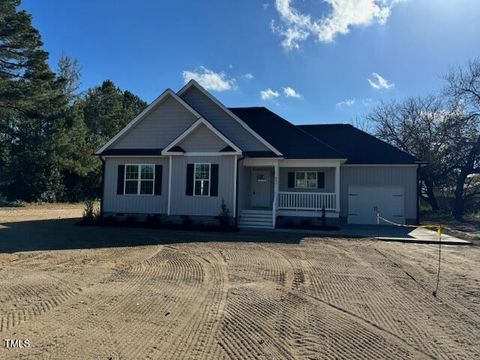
point(265, 6)
point(344, 14)
point(346, 103)
point(248, 76)
point(355, 102)
point(378, 82)
point(209, 79)
point(269, 94)
point(289, 92)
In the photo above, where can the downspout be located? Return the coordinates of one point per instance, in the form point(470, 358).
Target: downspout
point(236, 195)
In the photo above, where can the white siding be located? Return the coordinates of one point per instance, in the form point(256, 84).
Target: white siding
point(222, 121)
point(202, 139)
point(140, 204)
point(159, 128)
point(405, 177)
point(181, 204)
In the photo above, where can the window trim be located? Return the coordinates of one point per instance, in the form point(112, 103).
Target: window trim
point(138, 180)
point(209, 178)
point(306, 178)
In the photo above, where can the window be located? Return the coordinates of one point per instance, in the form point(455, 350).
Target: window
point(202, 180)
point(139, 179)
point(306, 179)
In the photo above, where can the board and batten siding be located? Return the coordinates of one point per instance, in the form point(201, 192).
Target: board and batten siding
point(159, 128)
point(202, 139)
point(133, 204)
point(404, 176)
point(329, 179)
point(182, 204)
point(222, 121)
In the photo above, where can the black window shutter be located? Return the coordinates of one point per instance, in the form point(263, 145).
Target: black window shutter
point(158, 179)
point(120, 175)
point(291, 180)
point(214, 181)
point(189, 180)
point(320, 180)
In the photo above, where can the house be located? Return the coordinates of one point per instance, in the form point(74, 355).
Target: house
point(186, 153)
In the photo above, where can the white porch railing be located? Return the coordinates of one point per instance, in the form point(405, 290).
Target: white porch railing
point(306, 200)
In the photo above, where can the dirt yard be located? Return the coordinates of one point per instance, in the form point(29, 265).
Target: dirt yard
point(115, 293)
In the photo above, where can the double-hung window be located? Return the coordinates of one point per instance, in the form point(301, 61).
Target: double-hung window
point(201, 178)
point(306, 179)
point(139, 179)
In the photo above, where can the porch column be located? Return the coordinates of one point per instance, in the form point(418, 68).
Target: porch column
point(276, 177)
point(337, 188)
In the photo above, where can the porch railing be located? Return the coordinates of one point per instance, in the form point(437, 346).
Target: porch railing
point(306, 200)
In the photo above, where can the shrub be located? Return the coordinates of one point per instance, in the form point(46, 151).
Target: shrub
point(224, 217)
point(90, 212)
point(323, 219)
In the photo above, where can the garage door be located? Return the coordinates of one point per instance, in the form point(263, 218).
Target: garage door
point(364, 201)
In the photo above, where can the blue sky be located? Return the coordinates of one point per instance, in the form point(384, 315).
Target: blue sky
point(310, 60)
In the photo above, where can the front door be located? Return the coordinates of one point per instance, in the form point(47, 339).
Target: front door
point(261, 188)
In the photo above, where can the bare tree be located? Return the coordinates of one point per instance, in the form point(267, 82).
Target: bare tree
point(463, 90)
point(418, 126)
point(69, 71)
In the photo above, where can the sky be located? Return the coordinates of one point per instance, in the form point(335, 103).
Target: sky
point(317, 61)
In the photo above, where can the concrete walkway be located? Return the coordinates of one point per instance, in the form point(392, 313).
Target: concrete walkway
point(386, 233)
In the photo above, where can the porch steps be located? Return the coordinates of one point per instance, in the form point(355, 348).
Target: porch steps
point(255, 219)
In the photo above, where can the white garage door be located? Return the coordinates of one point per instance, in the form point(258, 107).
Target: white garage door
point(365, 201)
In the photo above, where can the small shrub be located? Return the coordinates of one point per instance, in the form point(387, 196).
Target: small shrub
point(224, 217)
point(90, 212)
point(323, 219)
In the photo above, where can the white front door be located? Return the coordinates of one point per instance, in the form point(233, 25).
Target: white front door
point(261, 188)
point(365, 201)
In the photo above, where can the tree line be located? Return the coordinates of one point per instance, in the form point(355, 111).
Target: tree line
point(49, 130)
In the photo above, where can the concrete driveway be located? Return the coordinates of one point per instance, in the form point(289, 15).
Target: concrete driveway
point(389, 233)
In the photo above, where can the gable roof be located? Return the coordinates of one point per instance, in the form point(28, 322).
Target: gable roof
point(358, 146)
point(144, 113)
point(195, 125)
point(246, 126)
point(289, 139)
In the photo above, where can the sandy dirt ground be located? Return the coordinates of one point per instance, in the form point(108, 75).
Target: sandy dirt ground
point(115, 293)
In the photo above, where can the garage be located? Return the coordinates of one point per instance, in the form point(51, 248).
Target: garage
point(365, 201)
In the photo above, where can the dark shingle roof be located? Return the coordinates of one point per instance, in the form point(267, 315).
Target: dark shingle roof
point(358, 146)
point(132, 152)
point(291, 141)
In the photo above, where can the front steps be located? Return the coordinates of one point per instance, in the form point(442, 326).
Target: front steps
point(255, 219)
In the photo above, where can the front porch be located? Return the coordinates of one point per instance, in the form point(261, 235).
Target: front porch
point(291, 188)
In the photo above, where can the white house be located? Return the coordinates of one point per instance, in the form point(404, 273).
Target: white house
point(187, 152)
